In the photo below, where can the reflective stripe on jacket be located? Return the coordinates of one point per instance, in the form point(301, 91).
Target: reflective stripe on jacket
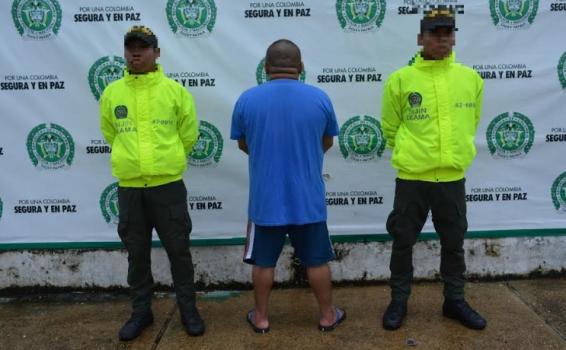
point(430, 113)
point(151, 123)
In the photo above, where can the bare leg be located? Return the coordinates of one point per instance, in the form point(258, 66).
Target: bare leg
point(263, 280)
point(320, 282)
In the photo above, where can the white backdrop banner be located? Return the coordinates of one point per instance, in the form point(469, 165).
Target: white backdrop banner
point(58, 56)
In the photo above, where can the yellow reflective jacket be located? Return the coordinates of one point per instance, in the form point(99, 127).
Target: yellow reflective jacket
point(430, 113)
point(151, 123)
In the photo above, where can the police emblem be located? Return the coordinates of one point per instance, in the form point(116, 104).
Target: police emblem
point(558, 192)
point(104, 71)
point(510, 135)
point(50, 147)
point(208, 148)
point(191, 18)
point(360, 15)
point(415, 99)
point(562, 70)
point(109, 203)
point(121, 112)
point(513, 14)
point(37, 19)
point(361, 139)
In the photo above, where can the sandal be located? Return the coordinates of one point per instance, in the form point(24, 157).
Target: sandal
point(340, 317)
point(250, 320)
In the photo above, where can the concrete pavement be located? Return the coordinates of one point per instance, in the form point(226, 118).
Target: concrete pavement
point(522, 314)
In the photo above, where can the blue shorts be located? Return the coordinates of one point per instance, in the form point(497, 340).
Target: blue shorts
point(311, 243)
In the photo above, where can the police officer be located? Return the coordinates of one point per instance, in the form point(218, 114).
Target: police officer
point(151, 123)
point(430, 113)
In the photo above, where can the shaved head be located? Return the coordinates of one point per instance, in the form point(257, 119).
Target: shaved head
point(282, 56)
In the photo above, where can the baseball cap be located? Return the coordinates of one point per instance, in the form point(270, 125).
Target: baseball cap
point(441, 16)
point(142, 33)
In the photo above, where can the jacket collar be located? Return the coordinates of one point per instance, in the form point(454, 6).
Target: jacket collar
point(148, 78)
point(419, 61)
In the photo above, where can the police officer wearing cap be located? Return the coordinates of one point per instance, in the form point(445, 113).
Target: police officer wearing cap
point(430, 112)
point(151, 123)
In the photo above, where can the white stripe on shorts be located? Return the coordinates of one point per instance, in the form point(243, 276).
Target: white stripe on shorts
point(250, 234)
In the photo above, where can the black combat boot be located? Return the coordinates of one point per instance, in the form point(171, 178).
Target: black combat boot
point(135, 325)
point(461, 311)
point(394, 315)
point(194, 325)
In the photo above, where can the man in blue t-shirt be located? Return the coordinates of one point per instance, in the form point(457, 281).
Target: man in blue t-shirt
point(285, 127)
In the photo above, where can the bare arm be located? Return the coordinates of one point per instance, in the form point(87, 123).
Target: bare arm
point(327, 142)
point(243, 145)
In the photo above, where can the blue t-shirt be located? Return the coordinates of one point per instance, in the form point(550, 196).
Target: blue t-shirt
point(283, 122)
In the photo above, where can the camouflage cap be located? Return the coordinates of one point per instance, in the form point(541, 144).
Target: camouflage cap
point(440, 16)
point(141, 33)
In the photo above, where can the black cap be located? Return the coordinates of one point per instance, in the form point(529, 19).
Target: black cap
point(441, 16)
point(141, 33)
